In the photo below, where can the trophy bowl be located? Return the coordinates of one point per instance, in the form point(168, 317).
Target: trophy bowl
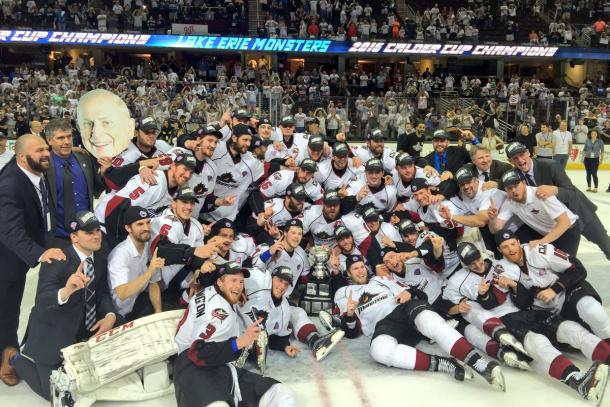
point(319, 256)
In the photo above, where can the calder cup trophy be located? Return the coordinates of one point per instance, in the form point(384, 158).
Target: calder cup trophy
point(316, 296)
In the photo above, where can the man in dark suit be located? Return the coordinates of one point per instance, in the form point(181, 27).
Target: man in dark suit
point(72, 304)
point(446, 159)
point(24, 222)
point(551, 179)
point(74, 181)
point(489, 171)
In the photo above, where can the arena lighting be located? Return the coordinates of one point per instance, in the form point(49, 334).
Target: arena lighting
point(290, 45)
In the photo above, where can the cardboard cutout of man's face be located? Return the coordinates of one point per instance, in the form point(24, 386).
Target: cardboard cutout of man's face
point(104, 122)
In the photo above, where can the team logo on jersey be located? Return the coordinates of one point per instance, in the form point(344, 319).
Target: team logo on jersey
point(220, 314)
point(365, 298)
point(227, 178)
point(417, 272)
point(200, 189)
point(277, 176)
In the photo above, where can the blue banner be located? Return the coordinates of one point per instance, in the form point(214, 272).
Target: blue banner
point(196, 42)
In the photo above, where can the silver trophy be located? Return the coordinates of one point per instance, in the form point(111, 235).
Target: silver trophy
point(316, 296)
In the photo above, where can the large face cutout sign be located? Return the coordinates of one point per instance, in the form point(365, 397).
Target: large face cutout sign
point(104, 122)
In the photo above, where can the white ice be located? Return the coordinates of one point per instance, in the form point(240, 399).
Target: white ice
point(349, 377)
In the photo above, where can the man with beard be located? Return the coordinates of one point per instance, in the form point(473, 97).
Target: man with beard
point(25, 221)
point(133, 275)
point(339, 171)
point(404, 173)
point(209, 341)
point(375, 148)
point(263, 224)
point(446, 159)
point(397, 318)
point(278, 182)
point(238, 171)
point(552, 180)
point(371, 189)
point(321, 220)
point(412, 143)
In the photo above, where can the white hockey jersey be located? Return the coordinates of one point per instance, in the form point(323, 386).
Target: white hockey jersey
point(203, 182)
point(329, 179)
point(480, 202)
point(299, 144)
point(451, 257)
point(542, 262)
point(168, 226)
point(242, 248)
point(277, 184)
point(322, 231)
point(297, 261)
point(208, 317)
point(384, 200)
point(132, 153)
point(404, 190)
point(376, 300)
point(355, 224)
point(280, 215)
point(388, 157)
point(420, 276)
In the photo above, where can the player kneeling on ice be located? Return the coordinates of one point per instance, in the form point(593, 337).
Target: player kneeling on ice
point(267, 296)
point(397, 319)
point(209, 342)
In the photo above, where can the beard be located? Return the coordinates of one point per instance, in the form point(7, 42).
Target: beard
point(38, 166)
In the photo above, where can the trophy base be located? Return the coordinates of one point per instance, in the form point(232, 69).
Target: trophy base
point(316, 297)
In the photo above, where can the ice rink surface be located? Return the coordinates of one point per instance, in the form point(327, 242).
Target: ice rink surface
point(348, 377)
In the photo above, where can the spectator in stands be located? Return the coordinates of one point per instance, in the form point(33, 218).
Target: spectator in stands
point(528, 140)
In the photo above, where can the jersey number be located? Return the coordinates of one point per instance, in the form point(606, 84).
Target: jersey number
point(165, 230)
point(266, 184)
point(136, 193)
point(209, 331)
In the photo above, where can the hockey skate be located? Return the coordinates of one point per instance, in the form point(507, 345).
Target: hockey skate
point(513, 358)
point(261, 345)
point(324, 344)
point(328, 320)
point(592, 384)
point(450, 366)
point(488, 370)
point(505, 338)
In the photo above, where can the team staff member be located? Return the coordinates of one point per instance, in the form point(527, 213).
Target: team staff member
point(74, 181)
point(446, 159)
point(551, 179)
point(129, 271)
point(208, 342)
point(24, 222)
point(72, 304)
point(549, 217)
point(490, 171)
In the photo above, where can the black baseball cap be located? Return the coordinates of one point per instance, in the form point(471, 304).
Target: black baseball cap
point(296, 191)
point(504, 235)
point(264, 120)
point(387, 250)
point(370, 213)
point(375, 135)
point(223, 223)
point(403, 159)
point(287, 121)
point(316, 143)
point(407, 226)
point(258, 142)
point(312, 120)
point(341, 232)
point(354, 258)
point(341, 150)
point(85, 221)
point(465, 173)
point(373, 165)
point(468, 253)
point(231, 268)
point(186, 194)
point(209, 130)
point(147, 124)
point(418, 184)
point(134, 214)
point(284, 273)
point(440, 134)
point(514, 148)
point(308, 165)
point(242, 115)
point(241, 129)
point(331, 197)
point(512, 177)
point(186, 159)
point(293, 222)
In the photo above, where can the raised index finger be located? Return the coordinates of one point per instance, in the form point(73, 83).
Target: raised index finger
point(349, 298)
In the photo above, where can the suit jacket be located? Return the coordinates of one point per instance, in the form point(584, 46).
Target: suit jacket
point(22, 227)
point(456, 157)
point(95, 185)
point(497, 170)
point(53, 326)
point(548, 172)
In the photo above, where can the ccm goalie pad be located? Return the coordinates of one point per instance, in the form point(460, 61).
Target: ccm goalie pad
point(104, 367)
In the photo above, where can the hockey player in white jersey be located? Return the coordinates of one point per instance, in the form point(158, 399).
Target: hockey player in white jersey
point(405, 172)
point(266, 291)
point(238, 169)
point(375, 148)
point(483, 282)
point(275, 186)
point(317, 150)
point(397, 319)
point(209, 341)
point(153, 197)
point(371, 189)
point(340, 171)
point(381, 233)
point(320, 221)
point(289, 143)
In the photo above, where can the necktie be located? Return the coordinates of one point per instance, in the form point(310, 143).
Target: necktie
point(45, 202)
point(485, 176)
point(90, 314)
point(530, 180)
point(69, 205)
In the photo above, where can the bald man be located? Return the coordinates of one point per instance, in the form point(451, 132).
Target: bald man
point(24, 223)
point(105, 124)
